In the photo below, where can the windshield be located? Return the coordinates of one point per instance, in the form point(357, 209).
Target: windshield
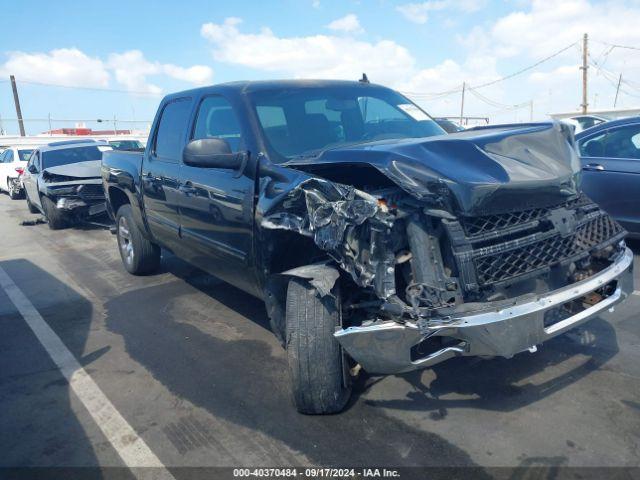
point(24, 155)
point(306, 121)
point(126, 145)
point(55, 158)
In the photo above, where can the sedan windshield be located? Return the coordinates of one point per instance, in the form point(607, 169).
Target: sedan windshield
point(305, 121)
point(55, 158)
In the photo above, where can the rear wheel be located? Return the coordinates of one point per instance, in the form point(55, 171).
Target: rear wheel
point(319, 376)
point(13, 189)
point(139, 255)
point(55, 218)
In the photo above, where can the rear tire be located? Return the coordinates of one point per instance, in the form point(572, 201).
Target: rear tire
point(32, 208)
point(14, 193)
point(316, 361)
point(139, 255)
point(55, 218)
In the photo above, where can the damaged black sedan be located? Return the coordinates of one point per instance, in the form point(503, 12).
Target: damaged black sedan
point(376, 240)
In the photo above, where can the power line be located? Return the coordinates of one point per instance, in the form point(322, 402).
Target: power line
point(79, 87)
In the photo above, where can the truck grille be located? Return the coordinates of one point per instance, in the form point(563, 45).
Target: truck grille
point(91, 192)
point(546, 253)
point(498, 250)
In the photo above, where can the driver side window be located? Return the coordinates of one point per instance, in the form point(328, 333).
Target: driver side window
point(216, 119)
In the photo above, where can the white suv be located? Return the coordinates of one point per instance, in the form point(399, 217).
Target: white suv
point(12, 163)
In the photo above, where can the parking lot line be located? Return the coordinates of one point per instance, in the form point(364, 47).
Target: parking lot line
point(130, 447)
point(636, 292)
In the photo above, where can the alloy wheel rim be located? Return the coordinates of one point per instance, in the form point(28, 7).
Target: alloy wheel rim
point(124, 237)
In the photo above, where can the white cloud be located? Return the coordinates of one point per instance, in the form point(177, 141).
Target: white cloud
point(348, 24)
point(315, 3)
point(72, 67)
point(63, 66)
point(419, 12)
point(131, 69)
point(319, 56)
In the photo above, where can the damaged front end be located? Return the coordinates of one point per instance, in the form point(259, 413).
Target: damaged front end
point(446, 271)
point(78, 197)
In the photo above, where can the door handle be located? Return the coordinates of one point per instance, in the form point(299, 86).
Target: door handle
point(593, 167)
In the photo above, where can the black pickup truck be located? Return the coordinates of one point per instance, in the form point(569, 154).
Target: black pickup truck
point(376, 240)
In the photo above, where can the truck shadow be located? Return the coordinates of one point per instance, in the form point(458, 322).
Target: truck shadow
point(506, 385)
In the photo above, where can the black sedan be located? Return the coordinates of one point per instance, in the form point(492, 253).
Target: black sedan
point(610, 155)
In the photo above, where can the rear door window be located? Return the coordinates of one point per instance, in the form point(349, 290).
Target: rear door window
point(172, 129)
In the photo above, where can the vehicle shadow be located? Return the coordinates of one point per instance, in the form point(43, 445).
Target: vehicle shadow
point(40, 427)
point(501, 384)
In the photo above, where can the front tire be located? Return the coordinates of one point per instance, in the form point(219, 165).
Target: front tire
point(55, 218)
point(316, 361)
point(139, 255)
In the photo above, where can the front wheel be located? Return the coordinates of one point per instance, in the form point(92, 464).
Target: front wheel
point(139, 255)
point(55, 218)
point(317, 365)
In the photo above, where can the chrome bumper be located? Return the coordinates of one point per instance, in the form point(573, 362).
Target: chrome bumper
point(385, 347)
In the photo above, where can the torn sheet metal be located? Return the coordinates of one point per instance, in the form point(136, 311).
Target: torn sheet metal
point(347, 223)
point(321, 276)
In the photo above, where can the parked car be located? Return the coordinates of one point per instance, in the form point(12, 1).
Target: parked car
point(374, 238)
point(13, 160)
point(449, 126)
point(62, 181)
point(610, 154)
point(583, 122)
point(130, 145)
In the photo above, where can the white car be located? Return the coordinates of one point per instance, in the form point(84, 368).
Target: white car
point(582, 122)
point(12, 163)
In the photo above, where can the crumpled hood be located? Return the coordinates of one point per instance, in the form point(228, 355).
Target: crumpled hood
point(487, 170)
point(79, 169)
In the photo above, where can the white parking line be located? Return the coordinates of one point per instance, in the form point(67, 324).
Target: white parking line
point(124, 439)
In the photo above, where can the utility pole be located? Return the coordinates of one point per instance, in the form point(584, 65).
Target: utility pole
point(531, 111)
point(615, 101)
point(584, 68)
point(464, 87)
point(16, 100)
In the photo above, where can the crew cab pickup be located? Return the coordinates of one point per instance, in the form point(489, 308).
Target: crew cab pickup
point(376, 240)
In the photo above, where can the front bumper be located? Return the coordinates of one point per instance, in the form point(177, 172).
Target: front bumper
point(385, 347)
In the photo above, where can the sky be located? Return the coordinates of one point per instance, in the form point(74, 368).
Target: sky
point(84, 61)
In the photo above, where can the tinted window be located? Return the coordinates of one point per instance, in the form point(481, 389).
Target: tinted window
point(2, 156)
point(172, 129)
point(305, 121)
point(24, 155)
point(216, 119)
point(66, 156)
point(9, 157)
point(623, 142)
point(593, 147)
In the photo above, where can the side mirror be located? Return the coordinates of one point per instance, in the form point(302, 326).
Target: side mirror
point(33, 169)
point(212, 153)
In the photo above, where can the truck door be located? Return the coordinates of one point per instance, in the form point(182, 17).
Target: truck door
point(611, 173)
point(216, 205)
point(160, 172)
